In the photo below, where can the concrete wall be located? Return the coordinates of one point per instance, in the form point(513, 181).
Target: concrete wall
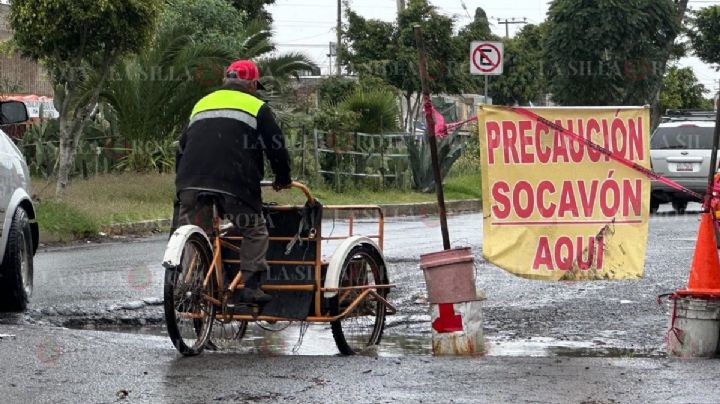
point(18, 74)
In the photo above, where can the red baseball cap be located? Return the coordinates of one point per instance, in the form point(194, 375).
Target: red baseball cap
point(244, 70)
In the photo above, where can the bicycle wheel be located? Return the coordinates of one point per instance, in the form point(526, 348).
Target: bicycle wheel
point(363, 326)
point(188, 315)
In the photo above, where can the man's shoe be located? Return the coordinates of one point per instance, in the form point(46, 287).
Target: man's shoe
point(254, 296)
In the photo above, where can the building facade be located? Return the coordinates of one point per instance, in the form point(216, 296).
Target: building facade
point(19, 75)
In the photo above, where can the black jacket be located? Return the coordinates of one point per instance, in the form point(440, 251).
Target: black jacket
point(222, 147)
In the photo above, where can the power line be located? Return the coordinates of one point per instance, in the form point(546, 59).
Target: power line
point(510, 21)
point(464, 6)
point(312, 36)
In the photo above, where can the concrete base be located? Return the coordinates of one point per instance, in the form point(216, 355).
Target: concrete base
point(470, 340)
point(694, 328)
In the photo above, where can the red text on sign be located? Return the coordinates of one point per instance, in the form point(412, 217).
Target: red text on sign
point(527, 142)
point(567, 253)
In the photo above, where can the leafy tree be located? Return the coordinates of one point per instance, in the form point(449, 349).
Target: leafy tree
point(207, 21)
point(607, 52)
point(522, 80)
point(705, 34)
point(377, 109)
point(477, 30)
point(681, 90)
point(216, 23)
point(254, 9)
point(368, 83)
point(388, 50)
point(77, 37)
point(153, 93)
point(333, 89)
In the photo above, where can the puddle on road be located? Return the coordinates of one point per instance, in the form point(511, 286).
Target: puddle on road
point(318, 340)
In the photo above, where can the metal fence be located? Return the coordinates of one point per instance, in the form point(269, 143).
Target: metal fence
point(382, 157)
point(335, 159)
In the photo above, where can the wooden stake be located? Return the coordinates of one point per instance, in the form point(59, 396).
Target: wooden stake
point(430, 124)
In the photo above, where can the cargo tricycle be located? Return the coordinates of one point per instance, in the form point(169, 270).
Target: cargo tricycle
point(349, 290)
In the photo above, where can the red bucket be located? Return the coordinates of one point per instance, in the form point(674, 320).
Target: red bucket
point(449, 276)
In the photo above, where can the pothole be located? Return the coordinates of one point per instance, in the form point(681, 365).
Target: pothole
point(318, 341)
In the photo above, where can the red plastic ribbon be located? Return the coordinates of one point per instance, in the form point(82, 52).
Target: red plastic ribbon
point(587, 142)
point(615, 156)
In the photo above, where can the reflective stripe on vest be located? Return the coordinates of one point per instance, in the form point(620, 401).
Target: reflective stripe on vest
point(235, 114)
point(228, 104)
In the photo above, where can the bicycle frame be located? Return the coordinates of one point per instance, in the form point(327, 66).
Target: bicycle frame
point(220, 240)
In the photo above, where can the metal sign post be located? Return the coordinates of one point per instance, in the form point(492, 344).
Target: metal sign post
point(430, 124)
point(487, 79)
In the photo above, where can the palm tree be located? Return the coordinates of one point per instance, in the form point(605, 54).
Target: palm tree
point(154, 92)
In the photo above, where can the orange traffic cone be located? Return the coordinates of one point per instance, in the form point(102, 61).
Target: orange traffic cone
point(705, 272)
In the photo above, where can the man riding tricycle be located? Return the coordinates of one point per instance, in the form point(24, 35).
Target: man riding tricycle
point(234, 259)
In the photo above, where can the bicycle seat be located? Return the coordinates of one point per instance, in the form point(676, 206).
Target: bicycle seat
point(209, 198)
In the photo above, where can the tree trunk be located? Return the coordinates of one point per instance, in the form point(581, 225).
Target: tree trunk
point(67, 149)
point(70, 134)
point(415, 112)
point(67, 156)
point(408, 111)
point(73, 119)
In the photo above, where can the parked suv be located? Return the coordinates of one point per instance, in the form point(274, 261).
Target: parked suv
point(680, 149)
point(18, 229)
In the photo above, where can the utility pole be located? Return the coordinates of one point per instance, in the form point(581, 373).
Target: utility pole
point(510, 21)
point(400, 5)
point(332, 52)
point(339, 37)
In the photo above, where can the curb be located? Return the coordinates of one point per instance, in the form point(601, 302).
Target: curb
point(391, 210)
point(146, 226)
point(431, 208)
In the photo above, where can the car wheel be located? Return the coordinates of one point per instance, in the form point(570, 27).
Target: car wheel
point(16, 271)
point(679, 206)
point(654, 205)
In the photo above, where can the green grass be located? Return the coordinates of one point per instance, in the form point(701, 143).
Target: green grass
point(110, 199)
point(465, 186)
point(457, 187)
point(102, 200)
point(61, 222)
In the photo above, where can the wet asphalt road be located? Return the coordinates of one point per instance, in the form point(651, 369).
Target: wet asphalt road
point(53, 365)
point(96, 285)
point(535, 333)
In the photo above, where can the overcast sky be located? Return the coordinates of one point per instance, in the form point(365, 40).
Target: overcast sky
point(309, 25)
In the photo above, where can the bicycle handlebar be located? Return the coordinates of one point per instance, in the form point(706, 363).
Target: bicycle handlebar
point(298, 185)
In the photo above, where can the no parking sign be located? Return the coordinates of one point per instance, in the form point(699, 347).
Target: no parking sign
point(486, 58)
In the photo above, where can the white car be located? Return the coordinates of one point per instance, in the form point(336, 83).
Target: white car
point(680, 149)
point(18, 230)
